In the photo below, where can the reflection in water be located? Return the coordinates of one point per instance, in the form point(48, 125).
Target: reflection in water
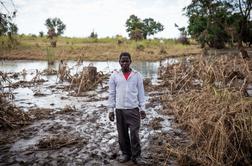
point(51, 66)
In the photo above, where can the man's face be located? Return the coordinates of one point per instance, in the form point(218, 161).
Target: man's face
point(125, 63)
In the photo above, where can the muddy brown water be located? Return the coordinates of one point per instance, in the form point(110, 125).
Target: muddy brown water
point(91, 137)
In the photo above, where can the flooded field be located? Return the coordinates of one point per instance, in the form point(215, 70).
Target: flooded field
point(57, 121)
point(70, 129)
point(50, 93)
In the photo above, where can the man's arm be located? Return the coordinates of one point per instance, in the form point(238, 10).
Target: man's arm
point(112, 93)
point(141, 97)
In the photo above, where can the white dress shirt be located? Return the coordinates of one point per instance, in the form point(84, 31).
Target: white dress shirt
point(126, 94)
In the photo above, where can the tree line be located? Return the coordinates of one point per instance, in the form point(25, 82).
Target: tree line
point(212, 23)
point(6, 17)
point(218, 22)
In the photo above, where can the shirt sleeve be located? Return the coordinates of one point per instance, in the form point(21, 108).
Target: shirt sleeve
point(141, 96)
point(112, 92)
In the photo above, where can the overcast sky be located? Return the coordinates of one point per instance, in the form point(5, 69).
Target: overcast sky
point(106, 17)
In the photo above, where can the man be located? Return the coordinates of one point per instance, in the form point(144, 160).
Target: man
point(126, 96)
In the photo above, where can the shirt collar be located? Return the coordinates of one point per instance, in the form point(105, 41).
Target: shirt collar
point(132, 71)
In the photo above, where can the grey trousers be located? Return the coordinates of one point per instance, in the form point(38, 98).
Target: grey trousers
point(128, 120)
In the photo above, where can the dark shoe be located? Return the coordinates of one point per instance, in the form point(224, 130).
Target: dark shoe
point(138, 160)
point(124, 158)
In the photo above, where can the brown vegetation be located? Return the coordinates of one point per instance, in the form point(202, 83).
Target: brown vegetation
point(86, 80)
point(210, 102)
point(10, 116)
point(58, 141)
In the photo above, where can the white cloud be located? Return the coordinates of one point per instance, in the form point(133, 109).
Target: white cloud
point(106, 17)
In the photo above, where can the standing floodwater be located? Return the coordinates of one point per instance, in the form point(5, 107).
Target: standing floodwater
point(51, 93)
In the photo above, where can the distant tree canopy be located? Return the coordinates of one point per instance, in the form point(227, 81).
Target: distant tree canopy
point(183, 35)
point(139, 29)
point(55, 28)
point(217, 22)
point(41, 33)
point(6, 22)
point(93, 35)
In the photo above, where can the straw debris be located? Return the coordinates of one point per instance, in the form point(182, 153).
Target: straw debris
point(155, 123)
point(210, 102)
point(57, 141)
point(83, 81)
point(12, 117)
point(40, 113)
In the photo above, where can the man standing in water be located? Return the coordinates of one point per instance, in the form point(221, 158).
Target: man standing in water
point(126, 96)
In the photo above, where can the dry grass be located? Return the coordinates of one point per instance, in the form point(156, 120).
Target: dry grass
point(10, 116)
point(101, 49)
point(155, 123)
point(210, 102)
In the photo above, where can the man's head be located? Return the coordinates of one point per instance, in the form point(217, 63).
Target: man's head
point(125, 61)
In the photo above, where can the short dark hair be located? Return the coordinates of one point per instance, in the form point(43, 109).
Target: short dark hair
point(125, 54)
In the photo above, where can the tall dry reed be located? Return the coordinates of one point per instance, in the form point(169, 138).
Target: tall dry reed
point(210, 101)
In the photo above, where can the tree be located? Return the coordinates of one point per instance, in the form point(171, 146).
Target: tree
point(6, 22)
point(146, 27)
point(150, 27)
point(241, 20)
point(93, 35)
point(7, 26)
point(207, 22)
point(218, 21)
point(41, 33)
point(55, 28)
point(136, 34)
point(183, 35)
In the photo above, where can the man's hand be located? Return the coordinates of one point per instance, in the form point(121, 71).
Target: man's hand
point(142, 114)
point(111, 116)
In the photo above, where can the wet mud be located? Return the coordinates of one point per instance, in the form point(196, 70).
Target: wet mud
point(65, 129)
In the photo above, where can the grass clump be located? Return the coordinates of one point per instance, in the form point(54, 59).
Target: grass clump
point(11, 117)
